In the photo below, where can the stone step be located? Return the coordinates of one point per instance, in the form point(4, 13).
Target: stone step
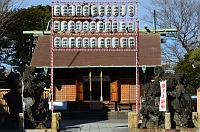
point(86, 107)
point(92, 115)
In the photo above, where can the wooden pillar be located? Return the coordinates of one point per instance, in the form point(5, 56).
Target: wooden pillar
point(90, 75)
point(167, 120)
point(101, 97)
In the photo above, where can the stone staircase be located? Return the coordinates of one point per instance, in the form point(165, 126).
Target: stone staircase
point(85, 106)
point(83, 111)
point(93, 115)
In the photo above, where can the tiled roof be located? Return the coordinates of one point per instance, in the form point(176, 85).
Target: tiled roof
point(149, 54)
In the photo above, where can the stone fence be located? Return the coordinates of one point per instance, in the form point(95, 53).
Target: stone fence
point(133, 124)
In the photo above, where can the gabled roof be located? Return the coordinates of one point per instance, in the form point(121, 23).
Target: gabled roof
point(149, 55)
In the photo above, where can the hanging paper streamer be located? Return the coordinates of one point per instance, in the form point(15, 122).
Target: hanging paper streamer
point(163, 96)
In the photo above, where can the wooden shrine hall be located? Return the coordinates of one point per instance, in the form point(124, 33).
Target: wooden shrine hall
point(106, 77)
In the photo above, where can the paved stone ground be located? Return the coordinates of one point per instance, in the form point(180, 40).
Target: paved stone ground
point(94, 126)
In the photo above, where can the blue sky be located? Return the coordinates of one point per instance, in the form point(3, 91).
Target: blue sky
point(141, 12)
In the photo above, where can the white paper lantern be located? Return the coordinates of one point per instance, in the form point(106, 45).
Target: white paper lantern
point(78, 26)
point(86, 10)
point(86, 42)
point(57, 42)
point(131, 10)
point(123, 42)
point(86, 26)
point(101, 42)
point(79, 42)
point(94, 10)
point(56, 10)
point(65, 42)
point(131, 42)
point(71, 42)
point(122, 26)
point(107, 42)
point(101, 10)
point(93, 42)
point(56, 26)
point(108, 26)
point(64, 10)
point(114, 26)
point(115, 10)
point(123, 10)
point(108, 10)
point(79, 10)
point(93, 26)
point(71, 26)
point(131, 26)
point(64, 26)
point(115, 42)
point(71, 10)
point(100, 26)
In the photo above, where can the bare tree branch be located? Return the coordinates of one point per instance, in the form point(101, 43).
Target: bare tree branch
point(7, 10)
point(182, 15)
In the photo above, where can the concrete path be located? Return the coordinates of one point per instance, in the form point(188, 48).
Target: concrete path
point(94, 126)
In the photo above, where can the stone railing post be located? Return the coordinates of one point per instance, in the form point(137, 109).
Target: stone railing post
point(59, 121)
point(133, 121)
point(21, 122)
point(56, 122)
point(167, 120)
point(195, 119)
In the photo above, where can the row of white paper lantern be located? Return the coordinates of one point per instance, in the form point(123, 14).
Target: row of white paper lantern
point(93, 26)
point(94, 10)
point(94, 42)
